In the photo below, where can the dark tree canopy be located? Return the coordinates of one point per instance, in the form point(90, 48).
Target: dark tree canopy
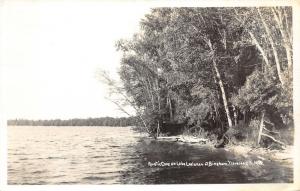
point(212, 69)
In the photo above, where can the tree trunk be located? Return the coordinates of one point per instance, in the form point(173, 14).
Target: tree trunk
point(158, 129)
point(170, 107)
point(151, 94)
point(289, 30)
point(220, 82)
point(138, 113)
point(284, 35)
point(261, 126)
point(235, 115)
point(289, 57)
point(244, 114)
point(112, 84)
point(159, 106)
point(255, 41)
point(260, 49)
point(275, 54)
point(223, 93)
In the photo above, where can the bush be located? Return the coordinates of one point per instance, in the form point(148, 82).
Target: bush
point(199, 132)
point(243, 133)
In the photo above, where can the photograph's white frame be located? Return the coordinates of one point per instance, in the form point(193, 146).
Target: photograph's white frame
point(163, 3)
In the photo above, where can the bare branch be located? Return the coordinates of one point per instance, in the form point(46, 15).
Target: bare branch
point(277, 141)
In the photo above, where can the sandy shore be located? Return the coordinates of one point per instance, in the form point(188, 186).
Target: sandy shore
point(284, 157)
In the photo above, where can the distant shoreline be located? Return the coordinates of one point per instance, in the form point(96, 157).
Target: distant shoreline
point(101, 121)
point(65, 126)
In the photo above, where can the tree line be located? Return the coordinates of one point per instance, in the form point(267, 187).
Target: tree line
point(225, 72)
point(103, 121)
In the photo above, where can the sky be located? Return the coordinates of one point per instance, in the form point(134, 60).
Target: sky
point(50, 54)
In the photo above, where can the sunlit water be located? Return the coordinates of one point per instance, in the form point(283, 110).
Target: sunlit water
point(119, 155)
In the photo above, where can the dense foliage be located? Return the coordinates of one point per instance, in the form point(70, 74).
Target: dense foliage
point(103, 121)
point(214, 69)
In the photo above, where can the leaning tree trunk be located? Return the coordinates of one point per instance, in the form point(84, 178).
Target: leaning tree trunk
point(275, 54)
point(220, 82)
point(221, 85)
point(260, 49)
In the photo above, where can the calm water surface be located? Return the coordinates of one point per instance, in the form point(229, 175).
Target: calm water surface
point(119, 155)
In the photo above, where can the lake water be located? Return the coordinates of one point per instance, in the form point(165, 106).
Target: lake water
point(119, 155)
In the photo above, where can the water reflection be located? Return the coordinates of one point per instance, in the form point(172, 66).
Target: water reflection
point(152, 151)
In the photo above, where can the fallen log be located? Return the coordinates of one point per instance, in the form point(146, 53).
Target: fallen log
point(273, 139)
point(168, 138)
point(186, 139)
